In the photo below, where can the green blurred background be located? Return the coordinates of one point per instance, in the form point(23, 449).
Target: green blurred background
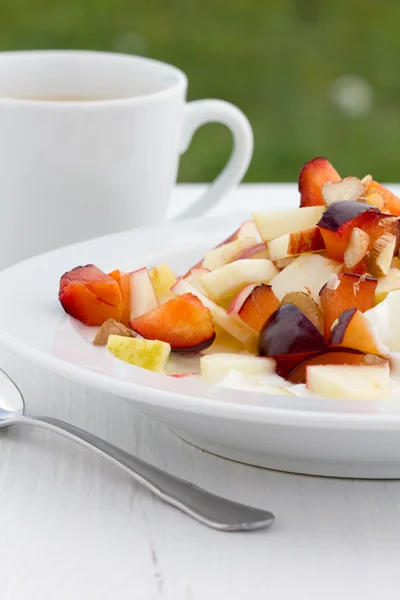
point(315, 77)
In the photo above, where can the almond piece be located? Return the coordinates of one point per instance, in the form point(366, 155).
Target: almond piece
point(357, 247)
point(111, 327)
point(381, 255)
point(350, 188)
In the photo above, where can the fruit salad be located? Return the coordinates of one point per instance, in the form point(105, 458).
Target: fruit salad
point(299, 301)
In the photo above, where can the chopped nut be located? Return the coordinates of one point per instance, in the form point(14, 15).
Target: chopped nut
point(350, 188)
point(381, 255)
point(357, 248)
point(111, 327)
point(373, 359)
point(333, 283)
point(375, 199)
point(387, 221)
point(366, 181)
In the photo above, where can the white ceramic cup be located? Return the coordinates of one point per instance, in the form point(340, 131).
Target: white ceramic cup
point(90, 145)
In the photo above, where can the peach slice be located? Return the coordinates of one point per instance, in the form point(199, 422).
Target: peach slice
point(378, 195)
point(332, 357)
point(254, 304)
point(353, 330)
point(123, 280)
point(313, 175)
point(90, 295)
point(298, 242)
point(184, 323)
point(344, 291)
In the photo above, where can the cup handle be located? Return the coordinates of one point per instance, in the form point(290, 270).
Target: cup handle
point(199, 113)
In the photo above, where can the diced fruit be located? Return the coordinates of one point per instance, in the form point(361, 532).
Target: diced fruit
point(184, 323)
point(387, 284)
point(90, 295)
point(332, 357)
point(308, 306)
point(349, 382)
point(123, 280)
point(336, 227)
point(194, 276)
point(313, 175)
point(290, 244)
point(224, 343)
point(247, 229)
point(357, 248)
point(111, 327)
point(234, 326)
point(281, 263)
point(258, 251)
point(288, 331)
point(353, 291)
point(224, 254)
point(354, 331)
point(224, 283)
point(349, 189)
point(216, 366)
point(254, 304)
point(377, 195)
point(275, 223)
point(148, 354)
point(162, 279)
point(385, 318)
point(381, 255)
point(143, 296)
point(307, 273)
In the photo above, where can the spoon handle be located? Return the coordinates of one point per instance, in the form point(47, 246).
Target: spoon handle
point(209, 509)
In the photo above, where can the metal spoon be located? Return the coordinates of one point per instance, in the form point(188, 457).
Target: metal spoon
point(203, 506)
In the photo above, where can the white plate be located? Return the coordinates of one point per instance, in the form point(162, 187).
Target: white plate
point(303, 435)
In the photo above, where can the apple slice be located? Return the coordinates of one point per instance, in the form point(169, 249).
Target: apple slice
point(308, 306)
point(281, 263)
point(215, 366)
point(148, 354)
point(307, 273)
point(226, 253)
point(291, 244)
point(332, 357)
point(387, 284)
point(287, 332)
point(247, 229)
point(163, 279)
point(194, 276)
point(353, 330)
point(346, 290)
point(348, 189)
point(254, 304)
point(143, 296)
point(313, 175)
point(350, 382)
point(275, 223)
point(258, 251)
point(224, 283)
point(234, 326)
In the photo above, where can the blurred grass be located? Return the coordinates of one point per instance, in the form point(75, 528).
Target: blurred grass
point(275, 59)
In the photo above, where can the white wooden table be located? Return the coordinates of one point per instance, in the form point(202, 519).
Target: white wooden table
point(75, 528)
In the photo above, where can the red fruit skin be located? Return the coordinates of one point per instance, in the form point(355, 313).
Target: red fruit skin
point(183, 322)
point(288, 331)
point(313, 175)
point(123, 280)
point(354, 291)
point(90, 295)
